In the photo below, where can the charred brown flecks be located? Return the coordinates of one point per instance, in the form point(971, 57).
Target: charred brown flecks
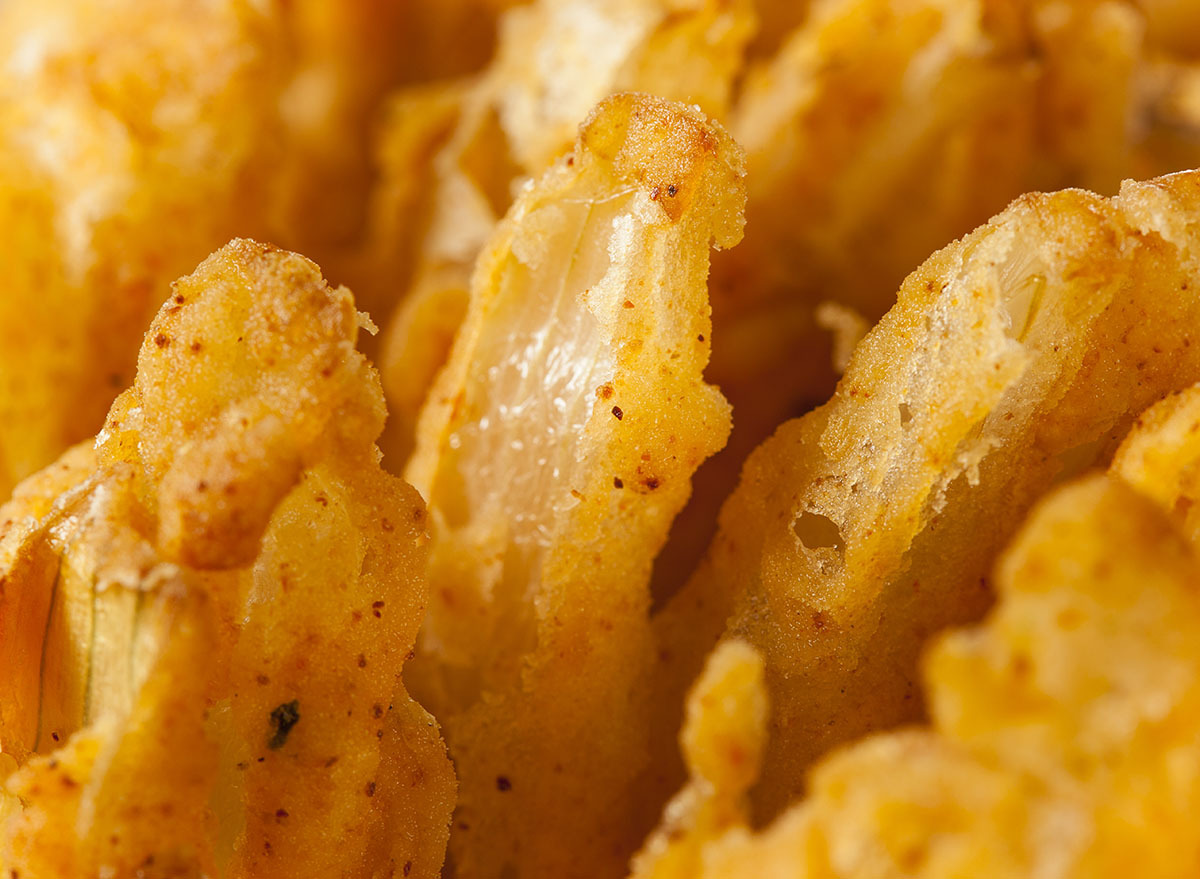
point(283, 718)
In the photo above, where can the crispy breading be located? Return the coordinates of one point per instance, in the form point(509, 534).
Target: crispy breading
point(205, 615)
point(548, 76)
point(883, 130)
point(1064, 728)
point(133, 140)
point(555, 449)
point(520, 114)
point(863, 134)
point(722, 739)
point(1161, 458)
point(1015, 357)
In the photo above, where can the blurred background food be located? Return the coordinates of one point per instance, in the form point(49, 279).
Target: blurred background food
point(688, 403)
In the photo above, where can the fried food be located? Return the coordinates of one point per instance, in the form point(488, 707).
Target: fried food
point(722, 739)
point(1161, 458)
point(777, 19)
point(879, 132)
point(555, 449)
point(414, 127)
point(204, 615)
point(521, 114)
point(883, 130)
point(1063, 737)
point(1016, 356)
point(345, 57)
point(133, 141)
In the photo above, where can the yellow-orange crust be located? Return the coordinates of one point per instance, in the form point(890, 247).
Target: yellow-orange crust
point(133, 141)
point(1015, 357)
point(518, 116)
point(555, 449)
point(1063, 732)
point(882, 130)
point(212, 606)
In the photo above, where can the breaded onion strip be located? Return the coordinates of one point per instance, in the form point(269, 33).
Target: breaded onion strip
point(204, 618)
point(1064, 729)
point(555, 61)
point(556, 448)
point(1015, 357)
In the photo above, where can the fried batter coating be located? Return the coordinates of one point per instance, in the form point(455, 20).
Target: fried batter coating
point(883, 130)
point(133, 140)
point(204, 615)
point(556, 60)
point(1161, 458)
point(723, 735)
point(555, 449)
point(1064, 729)
point(548, 74)
point(1015, 357)
point(414, 127)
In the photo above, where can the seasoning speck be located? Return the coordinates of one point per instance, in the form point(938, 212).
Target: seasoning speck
point(283, 718)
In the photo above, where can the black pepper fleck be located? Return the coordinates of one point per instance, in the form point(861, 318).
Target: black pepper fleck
point(283, 718)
